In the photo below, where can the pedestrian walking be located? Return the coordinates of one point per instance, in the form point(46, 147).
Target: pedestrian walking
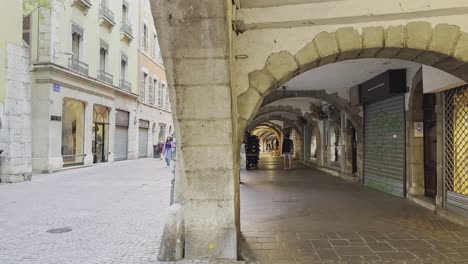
point(288, 147)
point(167, 150)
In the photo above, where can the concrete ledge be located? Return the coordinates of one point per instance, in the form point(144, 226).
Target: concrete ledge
point(423, 201)
point(451, 216)
point(344, 176)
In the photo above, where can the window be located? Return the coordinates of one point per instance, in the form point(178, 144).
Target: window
point(124, 13)
point(27, 29)
point(156, 91)
point(102, 59)
point(150, 91)
point(145, 37)
point(143, 87)
point(155, 41)
point(161, 95)
point(166, 104)
point(72, 132)
point(123, 68)
point(157, 50)
point(76, 43)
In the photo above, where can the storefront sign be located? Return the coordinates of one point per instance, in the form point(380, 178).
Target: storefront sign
point(385, 85)
point(55, 118)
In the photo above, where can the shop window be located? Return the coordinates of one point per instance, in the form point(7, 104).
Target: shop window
point(72, 132)
point(100, 144)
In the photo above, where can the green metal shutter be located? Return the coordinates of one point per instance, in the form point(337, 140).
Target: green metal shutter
point(385, 144)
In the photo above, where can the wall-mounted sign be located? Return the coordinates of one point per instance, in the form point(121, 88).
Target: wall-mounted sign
point(55, 118)
point(57, 88)
point(418, 129)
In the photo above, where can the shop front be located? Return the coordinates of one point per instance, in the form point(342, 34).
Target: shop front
point(100, 144)
point(383, 98)
point(456, 150)
point(121, 135)
point(73, 132)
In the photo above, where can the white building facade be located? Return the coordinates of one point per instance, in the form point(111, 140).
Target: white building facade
point(86, 105)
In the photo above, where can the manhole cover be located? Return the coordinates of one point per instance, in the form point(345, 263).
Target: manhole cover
point(59, 230)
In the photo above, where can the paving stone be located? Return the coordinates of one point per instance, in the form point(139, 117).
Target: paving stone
point(396, 255)
point(409, 243)
point(354, 251)
point(319, 244)
point(380, 247)
point(327, 254)
point(339, 243)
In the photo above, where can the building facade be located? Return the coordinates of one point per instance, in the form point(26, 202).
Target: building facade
point(86, 85)
point(15, 97)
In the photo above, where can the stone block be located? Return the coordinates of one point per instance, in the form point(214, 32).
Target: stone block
point(372, 41)
point(211, 184)
point(395, 37)
point(419, 35)
point(183, 11)
point(444, 38)
point(261, 81)
point(461, 50)
point(172, 241)
point(204, 133)
point(213, 243)
point(221, 211)
point(307, 58)
point(326, 44)
point(248, 104)
point(201, 72)
point(203, 102)
point(197, 38)
point(199, 158)
point(281, 65)
point(349, 43)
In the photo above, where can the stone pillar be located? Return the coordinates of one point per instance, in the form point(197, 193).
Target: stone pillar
point(15, 117)
point(195, 47)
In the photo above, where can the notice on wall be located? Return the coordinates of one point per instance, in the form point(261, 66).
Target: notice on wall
point(418, 129)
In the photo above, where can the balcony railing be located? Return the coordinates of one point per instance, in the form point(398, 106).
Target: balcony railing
point(127, 30)
point(78, 66)
point(84, 4)
point(105, 77)
point(107, 15)
point(124, 85)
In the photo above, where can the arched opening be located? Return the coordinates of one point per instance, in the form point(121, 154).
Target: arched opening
point(381, 123)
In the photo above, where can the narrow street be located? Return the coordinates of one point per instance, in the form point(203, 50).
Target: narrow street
point(305, 216)
point(115, 213)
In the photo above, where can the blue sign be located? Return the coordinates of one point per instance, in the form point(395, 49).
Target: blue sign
point(56, 87)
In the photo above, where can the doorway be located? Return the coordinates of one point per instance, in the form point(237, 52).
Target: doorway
point(100, 145)
point(430, 145)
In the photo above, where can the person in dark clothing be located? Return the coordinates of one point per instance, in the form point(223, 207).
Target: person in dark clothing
point(288, 147)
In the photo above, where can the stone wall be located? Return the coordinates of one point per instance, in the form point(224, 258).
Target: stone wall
point(15, 126)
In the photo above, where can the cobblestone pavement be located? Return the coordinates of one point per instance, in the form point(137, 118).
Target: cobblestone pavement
point(305, 216)
point(115, 211)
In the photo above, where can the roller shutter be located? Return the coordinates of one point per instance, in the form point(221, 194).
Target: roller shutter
point(384, 139)
point(143, 142)
point(121, 143)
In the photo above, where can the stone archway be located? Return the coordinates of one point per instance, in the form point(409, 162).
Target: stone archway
point(444, 47)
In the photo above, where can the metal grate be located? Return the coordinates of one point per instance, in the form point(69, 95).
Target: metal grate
point(59, 230)
point(456, 140)
point(456, 149)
